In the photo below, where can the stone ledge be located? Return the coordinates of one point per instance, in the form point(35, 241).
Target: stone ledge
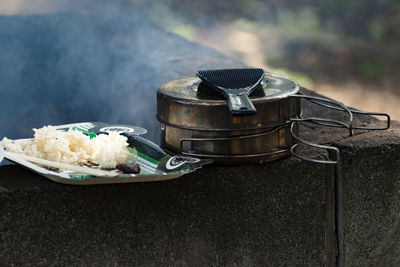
point(273, 213)
point(249, 215)
point(369, 193)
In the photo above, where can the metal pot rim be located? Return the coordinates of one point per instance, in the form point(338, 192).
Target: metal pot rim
point(281, 87)
point(179, 106)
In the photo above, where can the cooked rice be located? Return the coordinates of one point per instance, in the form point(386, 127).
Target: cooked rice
point(73, 147)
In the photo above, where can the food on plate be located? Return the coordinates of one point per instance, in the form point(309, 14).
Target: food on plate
point(74, 147)
point(128, 168)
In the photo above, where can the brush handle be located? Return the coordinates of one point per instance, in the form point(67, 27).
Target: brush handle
point(240, 105)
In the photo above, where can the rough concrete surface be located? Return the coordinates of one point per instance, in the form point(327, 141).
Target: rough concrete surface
point(220, 216)
point(370, 196)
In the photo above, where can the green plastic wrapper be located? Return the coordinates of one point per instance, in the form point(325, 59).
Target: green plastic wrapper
point(155, 163)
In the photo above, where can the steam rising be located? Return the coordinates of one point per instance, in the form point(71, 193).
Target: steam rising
point(88, 61)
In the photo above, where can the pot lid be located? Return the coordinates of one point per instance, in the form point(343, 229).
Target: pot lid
point(187, 103)
point(191, 88)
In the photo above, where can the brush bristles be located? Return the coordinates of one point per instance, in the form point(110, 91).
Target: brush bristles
point(232, 78)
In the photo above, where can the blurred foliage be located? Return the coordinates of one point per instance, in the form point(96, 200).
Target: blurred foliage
point(334, 39)
point(165, 17)
point(299, 77)
point(298, 22)
point(371, 67)
point(351, 17)
point(375, 30)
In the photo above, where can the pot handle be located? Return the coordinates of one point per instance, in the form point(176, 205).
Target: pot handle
point(360, 112)
point(335, 150)
point(191, 140)
point(379, 114)
point(331, 104)
point(328, 103)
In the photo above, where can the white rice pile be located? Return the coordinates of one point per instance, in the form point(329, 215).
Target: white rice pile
point(73, 147)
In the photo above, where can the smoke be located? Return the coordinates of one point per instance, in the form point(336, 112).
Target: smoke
point(74, 61)
point(29, 7)
point(65, 67)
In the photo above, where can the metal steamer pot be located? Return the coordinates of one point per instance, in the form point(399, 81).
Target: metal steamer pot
point(195, 121)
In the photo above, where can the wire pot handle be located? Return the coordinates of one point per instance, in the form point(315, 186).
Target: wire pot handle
point(300, 140)
point(380, 114)
point(190, 140)
point(340, 107)
point(331, 104)
point(327, 103)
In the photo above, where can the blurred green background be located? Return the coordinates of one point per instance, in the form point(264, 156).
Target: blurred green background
point(348, 50)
